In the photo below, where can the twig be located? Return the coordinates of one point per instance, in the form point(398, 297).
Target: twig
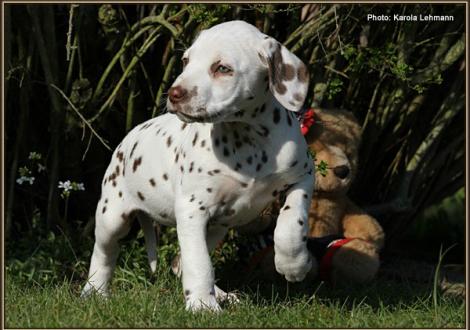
point(69, 46)
point(150, 40)
point(336, 71)
point(163, 84)
point(337, 32)
point(80, 115)
point(125, 45)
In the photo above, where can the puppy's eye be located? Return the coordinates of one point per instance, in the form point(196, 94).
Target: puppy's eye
point(185, 61)
point(223, 69)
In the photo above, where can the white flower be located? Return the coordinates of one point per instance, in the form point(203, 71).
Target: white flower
point(65, 185)
point(23, 179)
point(41, 168)
point(34, 155)
point(71, 186)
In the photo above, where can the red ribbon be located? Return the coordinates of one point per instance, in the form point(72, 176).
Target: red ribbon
point(326, 261)
point(307, 120)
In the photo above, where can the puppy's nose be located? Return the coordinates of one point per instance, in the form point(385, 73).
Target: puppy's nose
point(341, 171)
point(177, 94)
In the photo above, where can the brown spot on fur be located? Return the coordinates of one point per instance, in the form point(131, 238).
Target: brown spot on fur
point(152, 182)
point(276, 115)
point(262, 58)
point(195, 139)
point(280, 88)
point(104, 209)
point(133, 149)
point(264, 157)
point(141, 196)
point(165, 176)
point(289, 120)
point(302, 73)
point(136, 164)
point(120, 156)
point(120, 194)
point(298, 97)
point(168, 141)
point(288, 72)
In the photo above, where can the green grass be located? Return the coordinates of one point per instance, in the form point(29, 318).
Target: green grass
point(138, 303)
point(44, 276)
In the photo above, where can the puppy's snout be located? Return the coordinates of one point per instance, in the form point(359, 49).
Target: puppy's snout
point(177, 94)
point(341, 171)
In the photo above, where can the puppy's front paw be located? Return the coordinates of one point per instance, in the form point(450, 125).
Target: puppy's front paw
point(89, 290)
point(294, 268)
point(196, 303)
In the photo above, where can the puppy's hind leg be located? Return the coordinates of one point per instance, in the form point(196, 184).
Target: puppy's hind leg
point(111, 225)
point(150, 239)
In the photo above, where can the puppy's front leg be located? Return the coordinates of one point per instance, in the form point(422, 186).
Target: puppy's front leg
point(197, 270)
point(292, 258)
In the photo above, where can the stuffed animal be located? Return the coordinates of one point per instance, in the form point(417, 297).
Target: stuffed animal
point(356, 237)
point(344, 239)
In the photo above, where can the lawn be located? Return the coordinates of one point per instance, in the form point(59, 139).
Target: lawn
point(142, 301)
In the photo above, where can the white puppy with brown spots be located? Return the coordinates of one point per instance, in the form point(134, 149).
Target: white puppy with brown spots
point(228, 147)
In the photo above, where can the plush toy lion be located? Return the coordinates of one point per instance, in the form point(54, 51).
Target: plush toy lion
point(345, 240)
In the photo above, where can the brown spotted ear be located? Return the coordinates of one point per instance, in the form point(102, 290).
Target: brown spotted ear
point(288, 75)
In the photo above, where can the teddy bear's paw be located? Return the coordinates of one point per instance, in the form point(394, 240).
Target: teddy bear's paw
point(225, 297)
point(197, 303)
point(293, 268)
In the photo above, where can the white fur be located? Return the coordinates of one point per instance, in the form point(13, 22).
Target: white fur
point(213, 173)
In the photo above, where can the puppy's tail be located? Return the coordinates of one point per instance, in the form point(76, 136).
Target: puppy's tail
point(150, 241)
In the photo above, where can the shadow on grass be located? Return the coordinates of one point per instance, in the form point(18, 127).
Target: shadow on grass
point(377, 294)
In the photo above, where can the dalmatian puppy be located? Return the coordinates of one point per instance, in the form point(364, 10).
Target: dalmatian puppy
point(228, 146)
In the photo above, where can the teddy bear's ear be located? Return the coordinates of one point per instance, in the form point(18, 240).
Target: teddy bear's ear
point(288, 75)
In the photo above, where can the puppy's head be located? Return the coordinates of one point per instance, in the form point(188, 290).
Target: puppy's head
point(233, 66)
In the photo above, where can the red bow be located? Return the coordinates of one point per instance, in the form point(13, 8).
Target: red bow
point(307, 120)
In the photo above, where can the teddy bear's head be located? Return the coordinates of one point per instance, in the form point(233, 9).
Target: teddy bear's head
point(334, 140)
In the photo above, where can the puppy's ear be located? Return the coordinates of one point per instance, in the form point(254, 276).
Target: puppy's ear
point(288, 75)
